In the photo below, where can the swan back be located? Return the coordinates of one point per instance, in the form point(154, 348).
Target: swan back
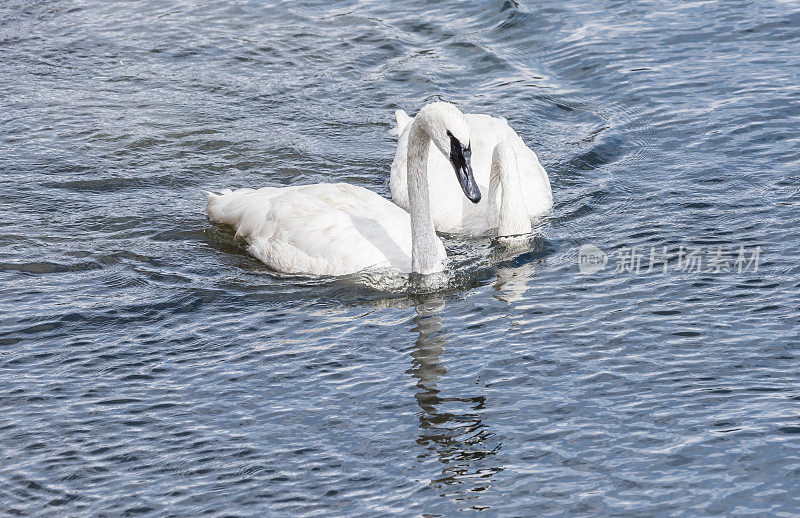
point(319, 229)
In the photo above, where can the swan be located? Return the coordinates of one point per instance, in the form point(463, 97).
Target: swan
point(340, 229)
point(451, 215)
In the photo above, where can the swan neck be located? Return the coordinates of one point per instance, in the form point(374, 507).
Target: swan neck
point(510, 210)
point(425, 257)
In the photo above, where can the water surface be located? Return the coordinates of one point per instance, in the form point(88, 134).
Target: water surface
point(148, 365)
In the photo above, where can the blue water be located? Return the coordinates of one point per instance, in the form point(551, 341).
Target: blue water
point(148, 365)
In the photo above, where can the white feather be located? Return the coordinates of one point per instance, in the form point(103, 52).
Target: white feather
point(402, 119)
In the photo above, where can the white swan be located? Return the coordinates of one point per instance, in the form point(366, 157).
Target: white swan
point(451, 214)
point(339, 229)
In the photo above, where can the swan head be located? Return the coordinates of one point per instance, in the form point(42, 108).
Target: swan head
point(448, 129)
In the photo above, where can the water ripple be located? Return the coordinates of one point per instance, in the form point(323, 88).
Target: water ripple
point(149, 365)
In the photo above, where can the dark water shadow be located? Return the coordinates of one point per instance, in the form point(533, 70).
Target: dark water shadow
point(450, 427)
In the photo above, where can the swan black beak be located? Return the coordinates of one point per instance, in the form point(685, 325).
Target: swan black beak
point(460, 158)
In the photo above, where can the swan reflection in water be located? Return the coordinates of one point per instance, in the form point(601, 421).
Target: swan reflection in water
point(517, 260)
point(451, 427)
